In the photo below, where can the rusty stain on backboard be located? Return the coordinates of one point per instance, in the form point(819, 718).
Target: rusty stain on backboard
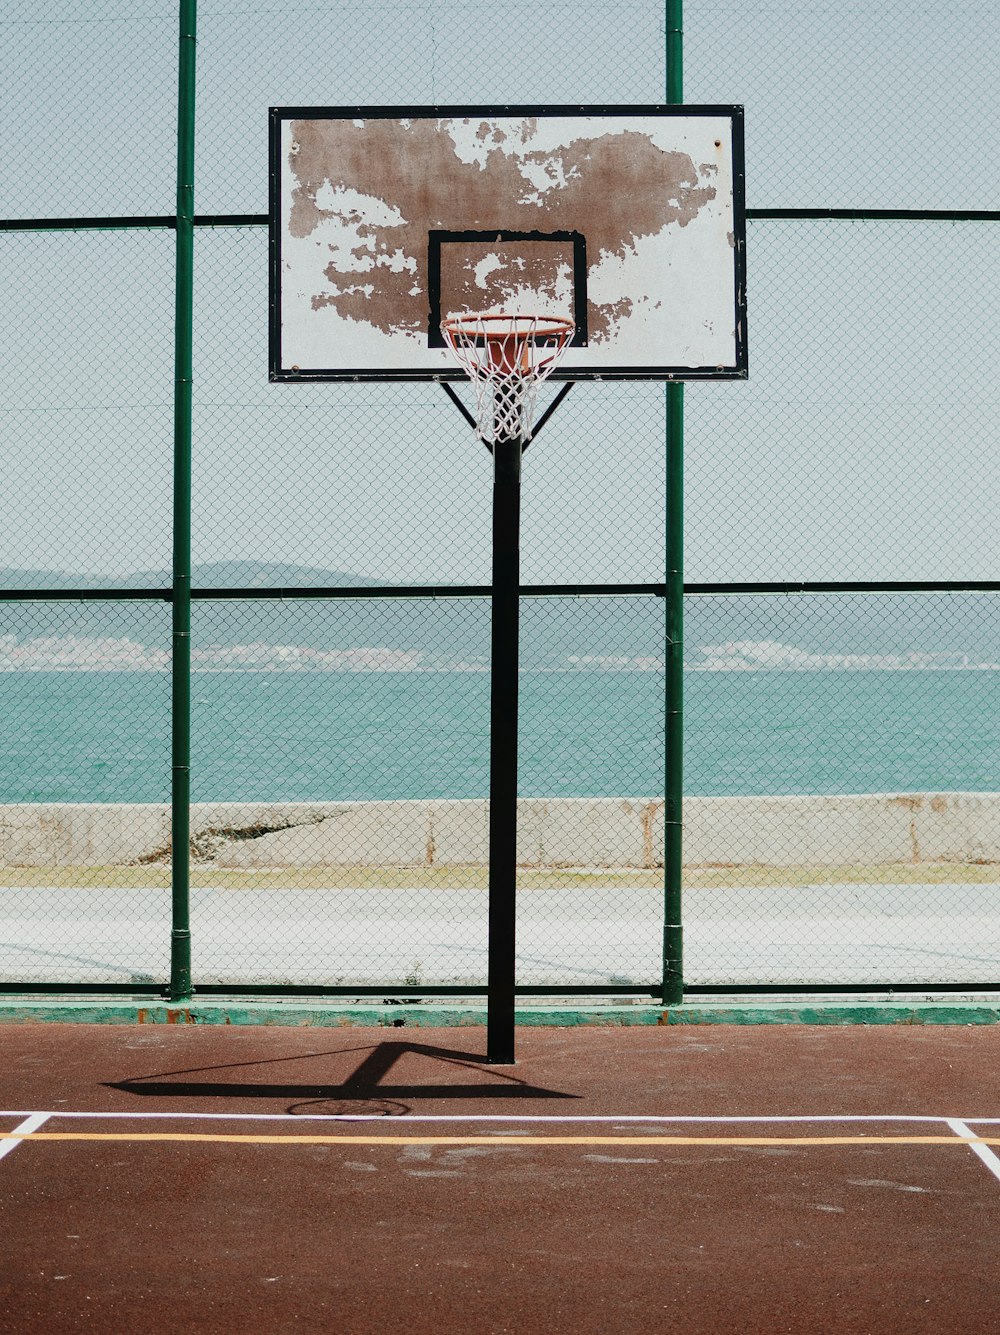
point(616, 188)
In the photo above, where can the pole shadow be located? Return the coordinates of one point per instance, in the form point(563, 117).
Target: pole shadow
point(365, 1092)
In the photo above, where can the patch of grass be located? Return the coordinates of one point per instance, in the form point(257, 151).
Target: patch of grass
point(890, 873)
point(476, 878)
point(316, 878)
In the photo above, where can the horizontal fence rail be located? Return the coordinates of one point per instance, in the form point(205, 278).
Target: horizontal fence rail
point(261, 219)
point(292, 592)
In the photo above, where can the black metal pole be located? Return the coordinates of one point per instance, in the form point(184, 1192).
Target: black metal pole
point(503, 751)
point(673, 804)
point(180, 789)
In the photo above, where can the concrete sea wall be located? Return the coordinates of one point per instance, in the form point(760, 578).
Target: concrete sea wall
point(870, 829)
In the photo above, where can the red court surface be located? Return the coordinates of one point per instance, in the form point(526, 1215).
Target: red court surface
point(717, 1179)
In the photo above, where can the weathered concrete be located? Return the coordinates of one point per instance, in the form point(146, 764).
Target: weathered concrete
point(867, 829)
point(870, 829)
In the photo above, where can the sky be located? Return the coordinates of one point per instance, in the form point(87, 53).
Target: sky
point(862, 447)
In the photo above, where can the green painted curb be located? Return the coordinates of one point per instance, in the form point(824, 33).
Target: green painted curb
point(69, 1010)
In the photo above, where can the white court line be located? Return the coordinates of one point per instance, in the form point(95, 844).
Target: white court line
point(982, 1152)
point(31, 1123)
point(543, 1118)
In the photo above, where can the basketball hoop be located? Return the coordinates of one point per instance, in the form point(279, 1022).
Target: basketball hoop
point(506, 357)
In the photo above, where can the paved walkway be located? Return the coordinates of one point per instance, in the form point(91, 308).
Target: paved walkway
point(592, 935)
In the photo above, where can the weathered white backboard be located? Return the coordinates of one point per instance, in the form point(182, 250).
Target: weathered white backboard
point(629, 220)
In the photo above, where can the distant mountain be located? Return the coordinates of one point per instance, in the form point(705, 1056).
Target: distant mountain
point(738, 631)
point(441, 631)
point(210, 574)
point(12, 579)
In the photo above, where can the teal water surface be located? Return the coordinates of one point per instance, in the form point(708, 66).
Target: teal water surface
point(85, 736)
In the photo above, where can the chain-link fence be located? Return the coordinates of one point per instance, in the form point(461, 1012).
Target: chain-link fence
point(842, 649)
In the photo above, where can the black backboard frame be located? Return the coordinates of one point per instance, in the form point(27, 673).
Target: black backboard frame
point(738, 370)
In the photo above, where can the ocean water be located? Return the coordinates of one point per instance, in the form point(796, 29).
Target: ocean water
point(101, 736)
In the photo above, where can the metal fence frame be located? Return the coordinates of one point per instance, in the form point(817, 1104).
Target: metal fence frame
point(673, 590)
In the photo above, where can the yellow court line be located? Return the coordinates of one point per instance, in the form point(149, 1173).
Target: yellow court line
point(194, 1137)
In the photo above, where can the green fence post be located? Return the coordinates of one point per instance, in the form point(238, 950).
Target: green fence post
point(180, 792)
point(673, 932)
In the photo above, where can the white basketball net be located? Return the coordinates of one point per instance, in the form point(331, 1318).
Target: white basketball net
point(506, 357)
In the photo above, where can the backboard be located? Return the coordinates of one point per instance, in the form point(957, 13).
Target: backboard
point(627, 220)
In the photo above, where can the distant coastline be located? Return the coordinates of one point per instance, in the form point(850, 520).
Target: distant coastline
point(80, 654)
